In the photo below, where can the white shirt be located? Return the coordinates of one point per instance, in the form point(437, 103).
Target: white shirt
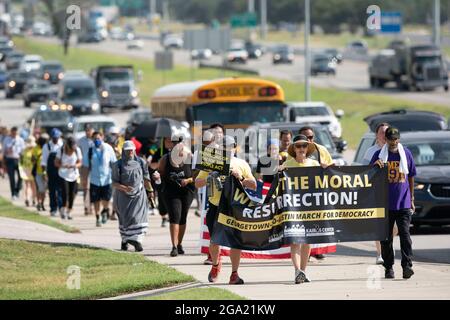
point(13, 147)
point(46, 152)
point(69, 174)
point(369, 153)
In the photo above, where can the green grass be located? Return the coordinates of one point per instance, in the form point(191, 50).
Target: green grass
point(197, 294)
point(39, 271)
point(8, 210)
point(356, 105)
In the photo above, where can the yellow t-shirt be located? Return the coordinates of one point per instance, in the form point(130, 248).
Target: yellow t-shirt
point(236, 163)
point(325, 156)
point(292, 163)
point(37, 155)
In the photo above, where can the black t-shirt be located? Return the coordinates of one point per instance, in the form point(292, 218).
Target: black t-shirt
point(173, 175)
point(265, 163)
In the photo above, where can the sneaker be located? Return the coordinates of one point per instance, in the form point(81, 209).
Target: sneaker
point(98, 223)
point(407, 272)
point(389, 273)
point(208, 260)
point(180, 249)
point(53, 214)
point(379, 260)
point(42, 207)
point(319, 256)
point(235, 279)
point(38, 207)
point(27, 203)
point(300, 277)
point(105, 214)
point(137, 246)
point(68, 216)
point(62, 213)
point(214, 273)
point(164, 222)
point(174, 252)
point(124, 246)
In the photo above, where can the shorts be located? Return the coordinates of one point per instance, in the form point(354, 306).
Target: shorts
point(211, 217)
point(40, 183)
point(97, 193)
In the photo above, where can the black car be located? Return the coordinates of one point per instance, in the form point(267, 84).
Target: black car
point(13, 59)
point(431, 152)
point(255, 51)
point(48, 117)
point(321, 136)
point(408, 120)
point(321, 63)
point(90, 37)
point(283, 54)
point(52, 71)
point(333, 54)
point(15, 82)
point(80, 94)
point(36, 90)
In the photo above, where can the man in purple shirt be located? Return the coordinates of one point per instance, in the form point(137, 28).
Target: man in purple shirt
point(401, 201)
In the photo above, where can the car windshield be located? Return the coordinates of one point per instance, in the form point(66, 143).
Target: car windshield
point(120, 75)
point(101, 126)
point(430, 153)
point(408, 124)
point(142, 116)
point(321, 60)
point(79, 92)
point(52, 67)
point(309, 111)
point(50, 116)
point(243, 113)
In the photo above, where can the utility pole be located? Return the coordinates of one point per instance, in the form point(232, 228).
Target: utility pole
point(251, 6)
point(263, 18)
point(307, 53)
point(437, 23)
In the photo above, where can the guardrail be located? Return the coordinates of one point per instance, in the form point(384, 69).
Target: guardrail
point(229, 67)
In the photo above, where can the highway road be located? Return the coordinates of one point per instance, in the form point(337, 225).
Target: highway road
point(351, 74)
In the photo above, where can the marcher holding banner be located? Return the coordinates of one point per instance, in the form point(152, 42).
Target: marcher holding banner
point(241, 170)
point(401, 172)
point(267, 166)
point(322, 155)
point(299, 151)
point(285, 142)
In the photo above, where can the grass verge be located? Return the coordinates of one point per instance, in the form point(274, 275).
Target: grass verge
point(8, 210)
point(197, 294)
point(356, 105)
point(40, 271)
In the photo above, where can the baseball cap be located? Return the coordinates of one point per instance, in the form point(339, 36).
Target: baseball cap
point(392, 133)
point(129, 145)
point(229, 141)
point(55, 133)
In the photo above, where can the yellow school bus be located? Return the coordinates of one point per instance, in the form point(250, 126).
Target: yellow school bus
point(234, 102)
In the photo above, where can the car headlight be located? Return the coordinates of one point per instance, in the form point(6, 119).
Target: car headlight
point(419, 186)
point(70, 125)
point(95, 106)
point(12, 84)
point(60, 76)
point(46, 76)
point(276, 57)
point(134, 93)
point(69, 107)
point(105, 94)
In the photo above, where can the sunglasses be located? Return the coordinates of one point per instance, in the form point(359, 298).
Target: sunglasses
point(310, 137)
point(303, 145)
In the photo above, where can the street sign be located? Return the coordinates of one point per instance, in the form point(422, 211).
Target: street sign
point(244, 20)
point(391, 22)
point(213, 39)
point(163, 60)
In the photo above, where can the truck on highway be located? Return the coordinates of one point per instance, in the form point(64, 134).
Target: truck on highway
point(116, 86)
point(411, 67)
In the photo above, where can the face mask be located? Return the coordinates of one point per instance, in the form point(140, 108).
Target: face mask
point(97, 143)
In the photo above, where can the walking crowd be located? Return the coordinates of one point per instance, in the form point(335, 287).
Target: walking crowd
point(108, 166)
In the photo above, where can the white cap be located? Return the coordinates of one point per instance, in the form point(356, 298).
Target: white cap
point(114, 130)
point(129, 145)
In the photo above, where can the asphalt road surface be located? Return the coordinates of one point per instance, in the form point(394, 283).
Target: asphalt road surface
point(350, 75)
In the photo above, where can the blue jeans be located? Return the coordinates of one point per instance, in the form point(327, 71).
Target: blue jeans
point(12, 166)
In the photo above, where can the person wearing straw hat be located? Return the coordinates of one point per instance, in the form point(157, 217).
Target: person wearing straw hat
point(131, 179)
point(26, 168)
point(299, 152)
